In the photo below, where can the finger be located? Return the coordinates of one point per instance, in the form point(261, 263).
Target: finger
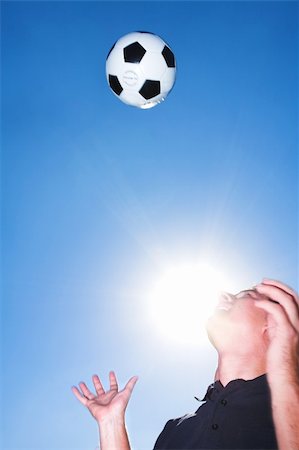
point(282, 286)
point(98, 385)
point(275, 293)
point(131, 384)
point(277, 311)
point(79, 396)
point(86, 392)
point(113, 381)
point(285, 299)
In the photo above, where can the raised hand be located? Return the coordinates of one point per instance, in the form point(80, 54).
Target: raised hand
point(282, 307)
point(105, 405)
point(283, 328)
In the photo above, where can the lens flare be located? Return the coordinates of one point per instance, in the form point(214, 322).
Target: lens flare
point(183, 298)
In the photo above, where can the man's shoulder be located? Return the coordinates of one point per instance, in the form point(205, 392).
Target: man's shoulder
point(179, 420)
point(170, 428)
point(187, 416)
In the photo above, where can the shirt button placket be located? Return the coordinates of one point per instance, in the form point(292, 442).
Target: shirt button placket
point(215, 426)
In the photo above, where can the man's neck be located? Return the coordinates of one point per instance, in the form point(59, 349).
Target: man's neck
point(246, 367)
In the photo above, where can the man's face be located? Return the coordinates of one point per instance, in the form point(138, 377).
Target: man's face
point(236, 319)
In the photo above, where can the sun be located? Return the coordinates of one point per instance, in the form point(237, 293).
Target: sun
point(183, 298)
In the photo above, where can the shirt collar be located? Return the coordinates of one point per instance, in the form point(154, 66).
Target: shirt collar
point(218, 386)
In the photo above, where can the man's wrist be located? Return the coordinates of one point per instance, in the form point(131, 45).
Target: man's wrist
point(283, 386)
point(283, 374)
point(114, 421)
point(113, 433)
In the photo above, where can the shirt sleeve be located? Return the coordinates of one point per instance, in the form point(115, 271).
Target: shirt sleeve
point(161, 442)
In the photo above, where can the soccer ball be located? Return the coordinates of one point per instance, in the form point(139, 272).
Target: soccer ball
point(140, 69)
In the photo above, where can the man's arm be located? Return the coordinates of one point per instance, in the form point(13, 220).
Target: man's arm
point(108, 409)
point(285, 410)
point(283, 360)
point(113, 434)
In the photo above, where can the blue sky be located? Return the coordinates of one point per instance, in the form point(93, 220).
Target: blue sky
point(97, 196)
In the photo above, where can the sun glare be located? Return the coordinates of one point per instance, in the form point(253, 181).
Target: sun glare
point(183, 298)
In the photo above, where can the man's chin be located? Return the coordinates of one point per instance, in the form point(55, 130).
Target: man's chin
point(217, 326)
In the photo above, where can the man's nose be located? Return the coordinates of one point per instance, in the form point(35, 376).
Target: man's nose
point(226, 296)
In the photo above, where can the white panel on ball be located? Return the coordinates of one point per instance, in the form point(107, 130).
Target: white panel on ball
point(153, 66)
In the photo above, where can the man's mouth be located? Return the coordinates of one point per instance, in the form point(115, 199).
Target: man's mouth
point(224, 307)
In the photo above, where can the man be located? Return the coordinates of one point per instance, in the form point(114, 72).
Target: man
point(254, 402)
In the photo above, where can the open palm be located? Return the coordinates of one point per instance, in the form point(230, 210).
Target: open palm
point(105, 404)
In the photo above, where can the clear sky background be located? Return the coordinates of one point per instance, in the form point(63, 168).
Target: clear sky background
point(98, 197)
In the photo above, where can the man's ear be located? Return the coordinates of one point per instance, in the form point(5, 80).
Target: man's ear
point(269, 328)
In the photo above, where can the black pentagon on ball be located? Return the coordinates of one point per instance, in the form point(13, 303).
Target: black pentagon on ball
point(134, 53)
point(145, 32)
point(115, 84)
point(168, 56)
point(150, 89)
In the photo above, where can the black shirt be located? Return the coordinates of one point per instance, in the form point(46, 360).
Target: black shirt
point(237, 416)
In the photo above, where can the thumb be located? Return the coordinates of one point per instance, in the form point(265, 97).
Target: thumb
point(131, 384)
